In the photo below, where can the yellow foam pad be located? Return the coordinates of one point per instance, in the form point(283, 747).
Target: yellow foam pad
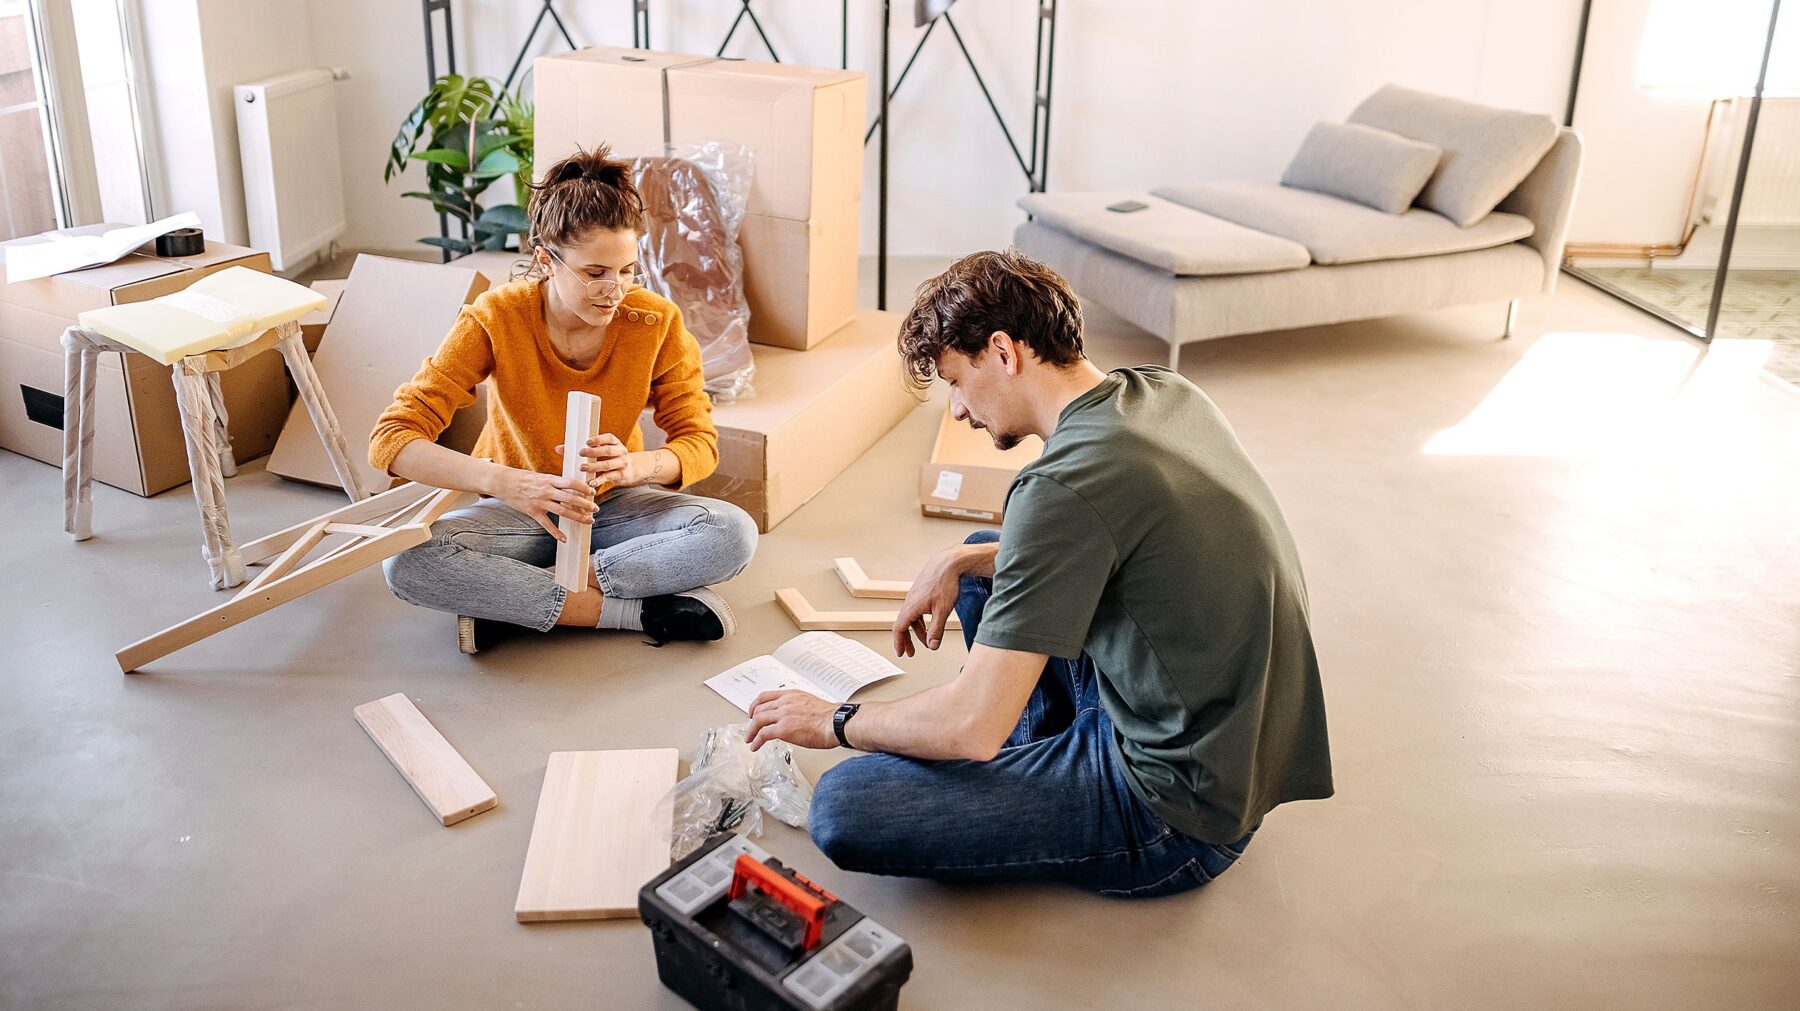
point(217, 312)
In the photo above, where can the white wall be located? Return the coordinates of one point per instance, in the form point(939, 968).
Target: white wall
point(195, 52)
point(1147, 91)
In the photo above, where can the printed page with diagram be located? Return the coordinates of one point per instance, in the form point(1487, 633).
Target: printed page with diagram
point(823, 663)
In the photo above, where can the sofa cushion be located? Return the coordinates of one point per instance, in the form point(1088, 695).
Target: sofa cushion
point(1487, 151)
point(1375, 168)
point(1177, 239)
point(1338, 231)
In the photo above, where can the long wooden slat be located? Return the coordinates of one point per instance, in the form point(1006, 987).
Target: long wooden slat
point(811, 619)
point(437, 773)
point(860, 585)
point(245, 606)
point(595, 841)
point(374, 506)
point(572, 553)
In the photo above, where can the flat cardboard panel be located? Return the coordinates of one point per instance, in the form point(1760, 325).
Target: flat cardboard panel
point(440, 775)
point(595, 840)
point(814, 414)
point(312, 325)
point(799, 278)
point(967, 478)
point(392, 316)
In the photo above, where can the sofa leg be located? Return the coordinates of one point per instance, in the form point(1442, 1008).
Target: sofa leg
point(1175, 357)
point(1512, 316)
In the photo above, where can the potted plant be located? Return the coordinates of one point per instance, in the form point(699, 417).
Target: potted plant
point(470, 134)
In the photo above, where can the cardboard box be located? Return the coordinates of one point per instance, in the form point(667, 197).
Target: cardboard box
point(813, 415)
point(799, 278)
point(803, 125)
point(138, 442)
point(966, 477)
point(392, 315)
point(313, 324)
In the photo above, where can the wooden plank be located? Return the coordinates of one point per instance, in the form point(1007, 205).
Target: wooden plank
point(860, 585)
point(245, 606)
point(581, 423)
point(811, 619)
point(375, 506)
point(434, 769)
point(595, 840)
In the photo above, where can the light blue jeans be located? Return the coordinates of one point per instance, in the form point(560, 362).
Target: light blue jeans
point(492, 561)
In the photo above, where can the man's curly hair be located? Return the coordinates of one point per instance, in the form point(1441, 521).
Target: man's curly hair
point(1002, 290)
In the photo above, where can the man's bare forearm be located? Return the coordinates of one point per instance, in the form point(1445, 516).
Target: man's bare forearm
point(968, 717)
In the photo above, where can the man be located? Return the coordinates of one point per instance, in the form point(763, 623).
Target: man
point(1141, 687)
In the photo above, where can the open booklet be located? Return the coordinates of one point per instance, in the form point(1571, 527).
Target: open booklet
point(823, 663)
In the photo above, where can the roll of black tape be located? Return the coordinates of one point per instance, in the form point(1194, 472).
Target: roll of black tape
point(181, 242)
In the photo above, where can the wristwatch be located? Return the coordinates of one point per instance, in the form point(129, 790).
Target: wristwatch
point(841, 717)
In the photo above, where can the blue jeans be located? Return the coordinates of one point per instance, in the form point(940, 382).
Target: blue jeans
point(492, 561)
point(1053, 805)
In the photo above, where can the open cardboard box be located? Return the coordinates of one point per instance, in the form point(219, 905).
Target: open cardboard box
point(804, 127)
point(813, 415)
point(392, 315)
point(138, 441)
point(967, 478)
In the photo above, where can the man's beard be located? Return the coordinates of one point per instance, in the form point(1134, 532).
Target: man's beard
point(1004, 441)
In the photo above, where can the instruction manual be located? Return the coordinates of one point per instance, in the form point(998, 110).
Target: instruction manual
point(824, 663)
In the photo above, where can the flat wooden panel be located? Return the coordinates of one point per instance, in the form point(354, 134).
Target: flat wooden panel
point(595, 840)
point(437, 773)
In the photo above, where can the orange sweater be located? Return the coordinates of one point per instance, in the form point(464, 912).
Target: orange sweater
point(647, 359)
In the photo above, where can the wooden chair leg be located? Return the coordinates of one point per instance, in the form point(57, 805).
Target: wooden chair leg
point(215, 392)
point(222, 559)
point(324, 420)
point(73, 348)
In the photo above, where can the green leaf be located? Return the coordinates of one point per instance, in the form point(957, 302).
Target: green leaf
point(447, 157)
point(454, 245)
point(497, 164)
point(453, 204)
point(508, 216)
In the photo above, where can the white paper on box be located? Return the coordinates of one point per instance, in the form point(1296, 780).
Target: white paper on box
point(949, 486)
point(59, 253)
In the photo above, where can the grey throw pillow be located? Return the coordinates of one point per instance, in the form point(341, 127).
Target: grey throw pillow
point(1375, 168)
point(1488, 152)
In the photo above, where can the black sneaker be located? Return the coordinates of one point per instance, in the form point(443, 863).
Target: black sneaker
point(476, 634)
point(695, 616)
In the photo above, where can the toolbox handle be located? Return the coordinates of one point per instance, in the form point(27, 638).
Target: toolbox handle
point(807, 900)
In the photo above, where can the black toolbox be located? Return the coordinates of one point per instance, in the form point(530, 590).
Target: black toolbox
point(736, 929)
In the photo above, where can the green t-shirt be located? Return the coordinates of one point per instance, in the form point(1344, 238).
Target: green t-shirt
point(1145, 537)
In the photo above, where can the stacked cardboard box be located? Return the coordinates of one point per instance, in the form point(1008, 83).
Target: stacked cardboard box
point(804, 128)
point(967, 477)
point(138, 440)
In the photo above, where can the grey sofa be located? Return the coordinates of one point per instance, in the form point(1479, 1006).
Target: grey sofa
point(1213, 259)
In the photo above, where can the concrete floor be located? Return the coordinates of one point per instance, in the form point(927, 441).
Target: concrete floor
point(1556, 585)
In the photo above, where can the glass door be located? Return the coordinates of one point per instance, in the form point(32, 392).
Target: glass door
point(30, 192)
point(1686, 107)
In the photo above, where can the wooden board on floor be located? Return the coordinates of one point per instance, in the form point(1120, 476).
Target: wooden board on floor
point(436, 772)
point(810, 619)
point(581, 423)
point(596, 840)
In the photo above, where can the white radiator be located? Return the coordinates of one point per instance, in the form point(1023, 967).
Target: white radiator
point(293, 183)
point(1772, 187)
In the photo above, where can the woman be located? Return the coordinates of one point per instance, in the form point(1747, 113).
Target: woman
point(577, 320)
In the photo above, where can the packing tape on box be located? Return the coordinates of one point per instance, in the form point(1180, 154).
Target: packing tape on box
point(181, 242)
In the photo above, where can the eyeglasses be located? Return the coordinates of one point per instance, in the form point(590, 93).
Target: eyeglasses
point(601, 288)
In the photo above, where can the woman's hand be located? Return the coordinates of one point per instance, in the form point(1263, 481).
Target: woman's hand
point(608, 462)
point(545, 497)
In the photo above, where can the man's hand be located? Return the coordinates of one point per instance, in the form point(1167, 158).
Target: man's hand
point(933, 594)
point(792, 716)
point(544, 497)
